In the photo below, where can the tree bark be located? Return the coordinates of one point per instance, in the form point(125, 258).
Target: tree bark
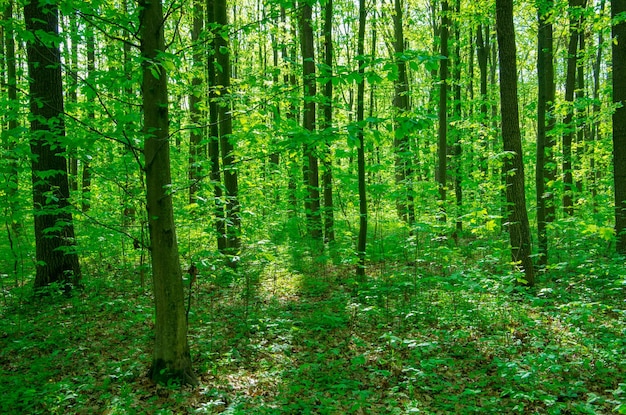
point(618, 7)
point(360, 115)
point(57, 260)
point(225, 122)
point(327, 175)
point(311, 169)
point(171, 358)
point(545, 171)
point(195, 99)
point(442, 146)
point(518, 227)
point(405, 203)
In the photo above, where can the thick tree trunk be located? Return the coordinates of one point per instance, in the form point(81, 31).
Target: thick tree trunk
point(311, 169)
point(360, 113)
point(171, 359)
point(618, 7)
point(519, 230)
point(54, 232)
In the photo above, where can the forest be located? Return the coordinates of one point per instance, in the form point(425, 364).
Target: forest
point(313, 207)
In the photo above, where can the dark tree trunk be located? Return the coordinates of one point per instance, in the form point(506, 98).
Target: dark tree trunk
point(618, 7)
point(519, 230)
point(442, 146)
point(545, 171)
point(91, 69)
point(195, 135)
point(225, 122)
point(594, 135)
point(311, 169)
point(457, 150)
point(11, 114)
point(360, 115)
point(327, 175)
point(570, 85)
point(405, 203)
point(171, 358)
point(56, 258)
point(214, 144)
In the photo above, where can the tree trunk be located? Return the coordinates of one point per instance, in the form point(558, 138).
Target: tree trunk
point(442, 147)
point(225, 122)
point(457, 150)
point(195, 134)
point(91, 69)
point(311, 169)
point(171, 359)
point(519, 230)
point(327, 175)
point(56, 258)
point(618, 7)
point(405, 203)
point(570, 85)
point(360, 113)
point(545, 171)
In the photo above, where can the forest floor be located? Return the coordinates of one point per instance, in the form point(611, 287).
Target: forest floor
point(294, 334)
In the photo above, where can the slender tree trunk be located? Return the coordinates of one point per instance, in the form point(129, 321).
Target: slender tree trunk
point(360, 113)
point(404, 205)
point(56, 258)
point(327, 175)
point(214, 144)
point(570, 85)
point(442, 147)
point(11, 114)
point(195, 99)
point(171, 359)
point(595, 126)
point(545, 171)
point(225, 122)
point(618, 7)
point(518, 226)
point(311, 169)
point(91, 69)
point(457, 150)
point(482, 53)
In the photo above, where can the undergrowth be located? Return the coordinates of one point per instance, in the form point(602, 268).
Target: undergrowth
point(295, 333)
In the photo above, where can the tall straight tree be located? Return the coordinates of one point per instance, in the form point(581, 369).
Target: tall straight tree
point(360, 116)
point(225, 122)
point(405, 203)
point(311, 168)
point(57, 260)
point(442, 147)
point(214, 144)
point(327, 174)
point(518, 226)
point(618, 8)
point(575, 19)
point(171, 358)
point(195, 135)
point(545, 171)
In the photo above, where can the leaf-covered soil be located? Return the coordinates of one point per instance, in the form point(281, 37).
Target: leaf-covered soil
point(303, 337)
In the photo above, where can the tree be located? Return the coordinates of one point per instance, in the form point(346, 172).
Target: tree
point(518, 226)
point(405, 204)
point(171, 358)
point(225, 122)
point(618, 11)
point(195, 135)
point(57, 260)
point(360, 112)
point(327, 174)
point(311, 169)
point(442, 146)
point(545, 172)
